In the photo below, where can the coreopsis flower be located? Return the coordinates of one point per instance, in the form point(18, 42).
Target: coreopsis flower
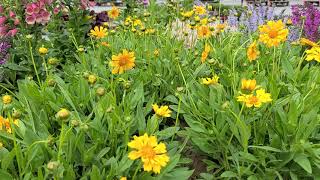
point(210, 81)
point(43, 51)
point(187, 14)
point(273, 33)
point(313, 54)
point(205, 53)
point(114, 12)
point(153, 154)
point(307, 42)
point(199, 10)
point(123, 178)
point(204, 31)
point(122, 62)
point(248, 84)
point(255, 100)
point(220, 27)
point(98, 32)
point(137, 22)
point(6, 99)
point(162, 111)
point(204, 21)
point(253, 51)
point(5, 124)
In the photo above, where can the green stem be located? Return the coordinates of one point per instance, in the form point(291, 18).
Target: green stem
point(136, 171)
point(45, 66)
point(34, 64)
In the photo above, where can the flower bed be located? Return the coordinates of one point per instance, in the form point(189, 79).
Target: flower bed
point(158, 92)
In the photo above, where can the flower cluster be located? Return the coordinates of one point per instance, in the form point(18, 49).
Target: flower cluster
point(8, 23)
point(4, 50)
point(256, 97)
point(5, 124)
point(36, 12)
point(309, 18)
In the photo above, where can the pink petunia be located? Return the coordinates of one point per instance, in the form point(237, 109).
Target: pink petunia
point(12, 32)
point(31, 19)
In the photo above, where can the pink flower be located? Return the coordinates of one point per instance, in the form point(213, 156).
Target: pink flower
point(3, 30)
point(29, 10)
point(45, 15)
point(31, 19)
point(2, 20)
point(16, 21)
point(56, 11)
point(12, 32)
point(12, 14)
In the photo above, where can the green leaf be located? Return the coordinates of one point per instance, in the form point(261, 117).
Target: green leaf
point(228, 174)
point(5, 175)
point(95, 173)
point(304, 162)
point(168, 132)
point(267, 148)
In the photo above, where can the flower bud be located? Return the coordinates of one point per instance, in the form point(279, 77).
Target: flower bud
point(63, 114)
point(92, 79)
point(75, 123)
point(101, 91)
point(6, 99)
point(16, 114)
point(53, 165)
point(53, 61)
point(51, 82)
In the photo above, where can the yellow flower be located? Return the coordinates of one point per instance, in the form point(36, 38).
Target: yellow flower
point(99, 32)
point(122, 62)
point(253, 51)
point(6, 99)
point(304, 41)
point(43, 51)
point(5, 123)
point(273, 33)
point(114, 12)
point(200, 10)
point(313, 54)
point(197, 18)
point(123, 178)
point(162, 111)
point(252, 100)
point(137, 22)
point(205, 53)
point(263, 96)
point(153, 155)
point(1, 145)
point(248, 84)
point(204, 21)
point(210, 81)
point(203, 31)
point(150, 31)
point(187, 14)
point(220, 27)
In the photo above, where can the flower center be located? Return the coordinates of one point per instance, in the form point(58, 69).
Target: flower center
point(123, 60)
point(273, 33)
point(148, 152)
point(253, 100)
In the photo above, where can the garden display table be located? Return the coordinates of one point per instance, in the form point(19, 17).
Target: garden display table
point(257, 2)
point(313, 2)
point(279, 3)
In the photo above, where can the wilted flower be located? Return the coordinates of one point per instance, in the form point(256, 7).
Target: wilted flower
point(205, 53)
point(253, 51)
